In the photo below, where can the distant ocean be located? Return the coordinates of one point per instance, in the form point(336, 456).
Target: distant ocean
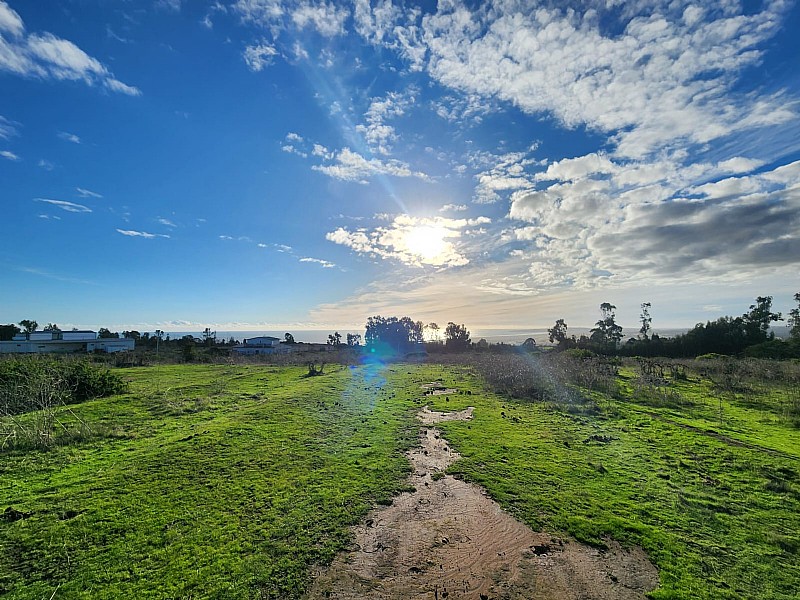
point(508, 336)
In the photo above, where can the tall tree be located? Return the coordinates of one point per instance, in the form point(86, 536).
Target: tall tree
point(7, 332)
point(29, 325)
point(558, 332)
point(758, 319)
point(794, 319)
point(104, 333)
point(353, 339)
point(51, 327)
point(645, 319)
point(456, 337)
point(209, 337)
point(398, 334)
point(335, 339)
point(607, 334)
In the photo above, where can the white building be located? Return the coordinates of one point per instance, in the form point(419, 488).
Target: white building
point(64, 342)
point(259, 345)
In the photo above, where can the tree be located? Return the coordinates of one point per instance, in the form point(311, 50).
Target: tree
point(757, 320)
point(288, 338)
point(52, 327)
point(794, 319)
point(335, 340)
point(456, 337)
point(398, 334)
point(558, 332)
point(134, 335)
point(645, 319)
point(209, 337)
point(529, 345)
point(607, 334)
point(433, 328)
point(104, 333)
point(353, 339)
point(28, 325)
point(7, 332)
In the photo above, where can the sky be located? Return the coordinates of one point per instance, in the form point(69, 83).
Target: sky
point(270, 164)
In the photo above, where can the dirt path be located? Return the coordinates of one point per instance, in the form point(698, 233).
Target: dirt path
point(449, 540)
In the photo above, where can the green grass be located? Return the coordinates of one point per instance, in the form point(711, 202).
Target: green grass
point(212, 481)
point(236, 481)
point(714, 501)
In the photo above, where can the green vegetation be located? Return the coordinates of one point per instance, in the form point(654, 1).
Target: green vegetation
point(215, 481)
point(44, 386)
point(237, 481)
point(701, 471)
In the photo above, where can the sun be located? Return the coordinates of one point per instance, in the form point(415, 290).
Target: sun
point(428, 242)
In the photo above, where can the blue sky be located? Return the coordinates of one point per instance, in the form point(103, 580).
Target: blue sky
point(260, 164)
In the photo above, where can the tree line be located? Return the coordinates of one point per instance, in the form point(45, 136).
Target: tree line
point(748, 334)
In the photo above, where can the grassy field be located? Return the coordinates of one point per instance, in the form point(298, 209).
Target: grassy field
point(707, 484)
point(210, 481)
point(236, 481)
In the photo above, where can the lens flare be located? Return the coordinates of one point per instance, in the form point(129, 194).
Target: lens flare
point(428, 242)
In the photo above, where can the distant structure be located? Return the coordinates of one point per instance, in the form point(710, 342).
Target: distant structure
point(266, 344)
point(64, 342)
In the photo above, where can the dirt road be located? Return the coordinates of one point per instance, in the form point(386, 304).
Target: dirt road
point(449, 540)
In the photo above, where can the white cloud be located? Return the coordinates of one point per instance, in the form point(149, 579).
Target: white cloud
point(294, 137)
point(45, 164)
point(117, 86)
point(64, 205)
point(170, 5)
point(263, 12)
point(7, 154)
point(84, 193)
point(376, 20)
point(165, 222)
point(469, 108)
point(293, 150)
point(739, 164)
point(47, 56)
point(651, 75)
point(259, 56)
point(324, 263)
point(506, 172)
point(69, 137)
point(142, 234)
point(327, 18)
point(570, 169)
point(8, 128)
point(411, 240)
point(603, 226)
point(351, 166)
point(378, 135)
point(453, 207)
point(10, 21)
point(322, 152)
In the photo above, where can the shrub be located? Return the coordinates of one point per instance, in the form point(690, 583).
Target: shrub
point(25, 380)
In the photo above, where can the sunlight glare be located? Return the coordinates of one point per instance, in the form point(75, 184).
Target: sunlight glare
point(427, 242)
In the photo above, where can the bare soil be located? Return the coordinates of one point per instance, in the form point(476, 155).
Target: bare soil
point(449, 540)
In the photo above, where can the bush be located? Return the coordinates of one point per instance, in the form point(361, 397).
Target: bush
point(24, 379)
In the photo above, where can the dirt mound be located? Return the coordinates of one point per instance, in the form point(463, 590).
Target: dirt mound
point(449, 540)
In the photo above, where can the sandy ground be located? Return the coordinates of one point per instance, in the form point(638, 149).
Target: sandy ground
point(449, 540)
